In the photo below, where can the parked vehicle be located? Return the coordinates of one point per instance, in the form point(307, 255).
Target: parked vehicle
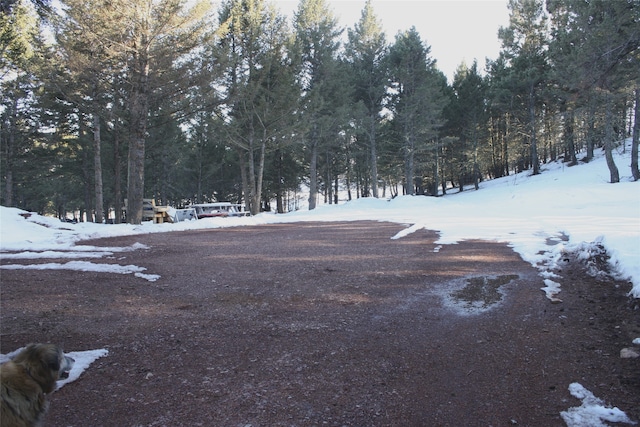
point(218, 209)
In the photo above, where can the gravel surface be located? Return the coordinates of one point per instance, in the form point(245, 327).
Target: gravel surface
point(325, 324)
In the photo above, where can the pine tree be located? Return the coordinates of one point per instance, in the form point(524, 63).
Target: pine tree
point(524, 44)
point(317, 32)
point(20, 48)
point(467, 117)
point(261, 93)
point(84, 73)
point(152, 41)
point(417, 107)
point(366, 52)
point(19, 29)
point(595, 45)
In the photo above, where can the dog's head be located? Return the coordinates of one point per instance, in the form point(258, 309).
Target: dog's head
point(46, 363)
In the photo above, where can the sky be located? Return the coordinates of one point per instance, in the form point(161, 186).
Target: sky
point(564, 209)
point(456, 30)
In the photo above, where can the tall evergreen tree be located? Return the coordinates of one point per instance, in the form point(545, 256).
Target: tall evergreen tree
point(84, 72)
point(19, 29)
point(596, 47)
point(366, 51)
point(18, 33)
point(467, 118)
point(418, 103)
point(156, 39)
point(524, 43)
point(317, 44)
point(160, 31)
point(261, 94)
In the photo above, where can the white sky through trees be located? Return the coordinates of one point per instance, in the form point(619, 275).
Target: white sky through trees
point(456, 30)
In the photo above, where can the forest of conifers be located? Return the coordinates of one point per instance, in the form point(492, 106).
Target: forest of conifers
point(189, 102)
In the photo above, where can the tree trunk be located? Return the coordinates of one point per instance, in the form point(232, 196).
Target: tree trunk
point(409, 166)
point(409, 149)
point(609, 144)
point(313, 169)
point(313, 176)
point(86, 173)
point(279, 189)
point(532, 125)
point(255, 174)
point(139, 112)
point(199, 173)
point(251, 176)
point(97, 168)
point(433, 185)
point(328, 189)
point(636, 136)
point(505, 144)
point(11, 141)
point(348, 177)
point(245, 181)
point(8, 196)
point(259, 176)
point(476, 168)
point(117, 192)
point(374, 158)
point(497, 170)
point(568, 134)
point(591, 118)
point(135, 189)
point(569, 137)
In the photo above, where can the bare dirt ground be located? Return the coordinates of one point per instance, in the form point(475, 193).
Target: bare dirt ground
point(325, 324)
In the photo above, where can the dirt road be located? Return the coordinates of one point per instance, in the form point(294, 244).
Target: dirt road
point(325, 324)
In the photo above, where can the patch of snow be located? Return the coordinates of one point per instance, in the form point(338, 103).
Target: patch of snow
point(592, 412)
point(82, 360)
point(85, 266)
point(551, 290)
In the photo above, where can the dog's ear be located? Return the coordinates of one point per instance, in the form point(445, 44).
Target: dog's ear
point(50, 361)
point(30, 352)
point(51, 358)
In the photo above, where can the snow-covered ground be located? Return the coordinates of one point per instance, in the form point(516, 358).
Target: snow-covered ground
point(563, 209)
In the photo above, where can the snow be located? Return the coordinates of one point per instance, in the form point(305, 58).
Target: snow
point(542, 217)
point(82, 360)
point(87, 266)
point(592, 411)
